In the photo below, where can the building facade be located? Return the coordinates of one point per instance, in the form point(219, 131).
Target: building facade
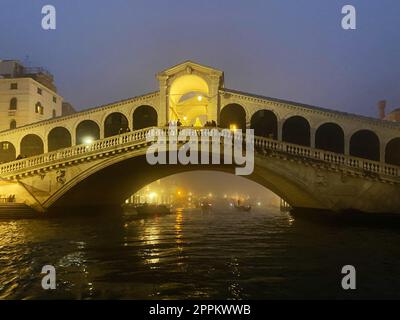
point(26, 96)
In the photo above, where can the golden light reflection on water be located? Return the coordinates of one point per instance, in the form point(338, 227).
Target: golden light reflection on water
point(178, 227)
point(179, 234)
point(290, 218)
point(77, 261)
point(151, 237)
point(11, 232)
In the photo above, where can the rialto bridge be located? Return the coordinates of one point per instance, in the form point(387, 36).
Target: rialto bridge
point(312, 157)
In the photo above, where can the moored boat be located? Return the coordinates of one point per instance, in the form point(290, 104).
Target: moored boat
point(242, 207)
point(146, 209)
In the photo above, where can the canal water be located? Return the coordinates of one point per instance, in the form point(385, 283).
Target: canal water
point(263, 254)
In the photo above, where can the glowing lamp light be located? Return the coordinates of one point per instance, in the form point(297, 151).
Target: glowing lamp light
point(233, 127)
point(199, 98)
point(152, 195)
point(184, 118)
point(88, 140)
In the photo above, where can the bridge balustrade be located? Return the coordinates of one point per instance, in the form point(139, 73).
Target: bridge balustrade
point(139, 136)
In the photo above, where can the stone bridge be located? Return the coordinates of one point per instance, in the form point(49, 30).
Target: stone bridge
point(310, 156)
point(107, 171)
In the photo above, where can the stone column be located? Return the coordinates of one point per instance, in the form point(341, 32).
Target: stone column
point(213, 102)
point(45, 145)
point(347, 145)
point(312, 137)
point(280, 126)
point(17, 147)
point(102, 129)
point(73, 137)
point(382, 152)
point(163, 108)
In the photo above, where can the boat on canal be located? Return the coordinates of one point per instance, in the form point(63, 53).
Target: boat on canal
point(147, 210)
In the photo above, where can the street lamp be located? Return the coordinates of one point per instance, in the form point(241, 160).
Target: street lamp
point(88, 140)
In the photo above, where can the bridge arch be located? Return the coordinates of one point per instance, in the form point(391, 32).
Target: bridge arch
point(233, 114)
point(120, 176)
point(392, 152)
point(114, 124)
point(59, 138)
point(330, 137)
point(7, 151)
point(265, 124)
point(87, 131)
point(365, 144)
point(144, 116)
point(296, 129)
point(31, 145)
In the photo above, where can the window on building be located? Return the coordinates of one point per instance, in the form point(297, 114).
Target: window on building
point(39, 91)
point(54, 99)
point(54, 113)
point(13, 124)
point(13, 104)
point(14, 86)
point(5, 146)
point(39, 108)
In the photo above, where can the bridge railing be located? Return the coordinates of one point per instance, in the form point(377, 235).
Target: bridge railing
point(139, 136)
point(369, 166)
point(73, 152)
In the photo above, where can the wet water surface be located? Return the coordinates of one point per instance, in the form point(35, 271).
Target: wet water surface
point(263, 254)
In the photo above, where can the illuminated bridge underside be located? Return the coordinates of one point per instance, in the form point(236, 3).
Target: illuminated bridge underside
point(111, 169)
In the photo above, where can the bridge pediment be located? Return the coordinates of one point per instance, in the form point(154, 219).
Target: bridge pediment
point(189, 92)
point(190, 67)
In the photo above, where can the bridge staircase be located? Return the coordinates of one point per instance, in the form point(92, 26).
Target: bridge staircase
point(16, 211)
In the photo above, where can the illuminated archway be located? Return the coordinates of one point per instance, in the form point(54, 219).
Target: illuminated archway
point(188, 100)
point(233, 116)
point(87, 131)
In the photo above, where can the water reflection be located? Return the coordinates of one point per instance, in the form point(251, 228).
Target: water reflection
point(222, 255)
point(151, 239)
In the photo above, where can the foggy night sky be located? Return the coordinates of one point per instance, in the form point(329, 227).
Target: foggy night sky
point(104, 51)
